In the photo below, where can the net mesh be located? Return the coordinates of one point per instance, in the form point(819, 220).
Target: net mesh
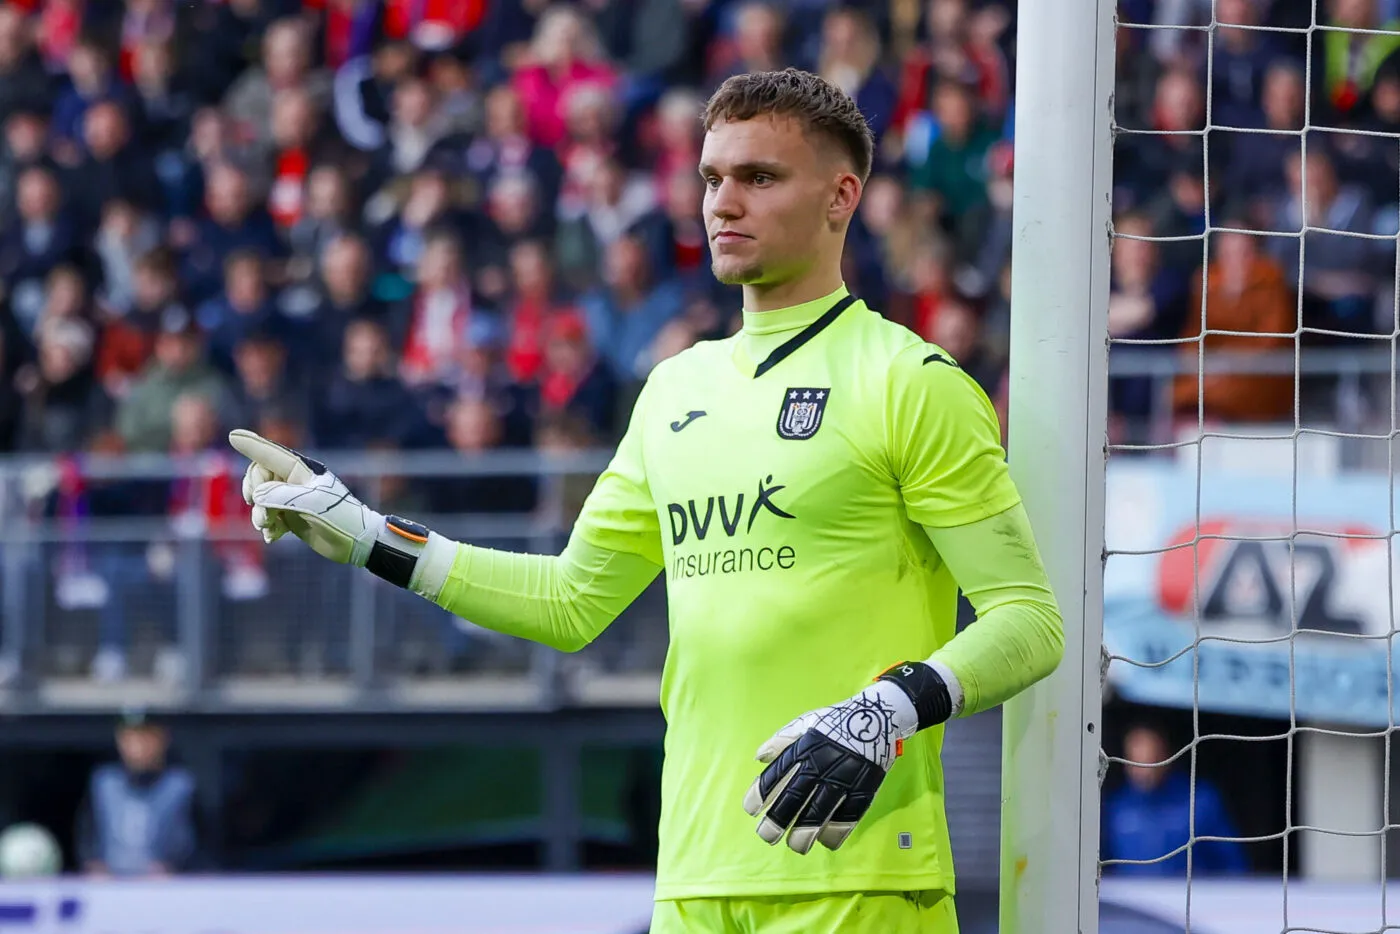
point(1249, 577)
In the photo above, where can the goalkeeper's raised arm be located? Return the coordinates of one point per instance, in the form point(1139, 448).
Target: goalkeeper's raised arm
point(816, 488)
point(563, 602)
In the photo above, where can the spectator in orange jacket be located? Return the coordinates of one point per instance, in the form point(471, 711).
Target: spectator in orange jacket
point(1245, 291)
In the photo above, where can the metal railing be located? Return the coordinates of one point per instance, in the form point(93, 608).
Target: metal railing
point(195, 613)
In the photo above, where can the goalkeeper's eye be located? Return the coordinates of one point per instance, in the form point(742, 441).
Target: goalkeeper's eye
point(712, 182)
point(762, 180)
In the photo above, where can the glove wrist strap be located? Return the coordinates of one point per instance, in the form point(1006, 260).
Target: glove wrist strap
point(926, 689)
point(394, 555)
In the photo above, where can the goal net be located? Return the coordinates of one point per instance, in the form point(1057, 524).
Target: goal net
point(1239, 775)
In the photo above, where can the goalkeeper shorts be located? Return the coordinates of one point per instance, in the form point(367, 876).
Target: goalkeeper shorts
point(847, 913)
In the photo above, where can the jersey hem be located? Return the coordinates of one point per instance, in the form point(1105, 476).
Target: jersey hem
point(749, 887)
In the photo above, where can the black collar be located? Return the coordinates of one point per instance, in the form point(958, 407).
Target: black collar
point(788, 347)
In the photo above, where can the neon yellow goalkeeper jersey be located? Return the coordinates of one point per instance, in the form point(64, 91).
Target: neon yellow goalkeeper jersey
point(781, 477)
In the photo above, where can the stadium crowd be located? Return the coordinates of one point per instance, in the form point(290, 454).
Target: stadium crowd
point(399, 224)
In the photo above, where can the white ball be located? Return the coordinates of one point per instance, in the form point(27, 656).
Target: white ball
point(29, 851)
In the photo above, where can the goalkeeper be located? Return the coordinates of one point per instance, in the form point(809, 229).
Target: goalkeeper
point(816, 488)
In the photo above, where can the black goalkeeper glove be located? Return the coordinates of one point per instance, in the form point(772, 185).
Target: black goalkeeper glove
point(825, 767)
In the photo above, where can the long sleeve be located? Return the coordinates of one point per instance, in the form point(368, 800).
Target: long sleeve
point(1018, 637)
point(563, 602)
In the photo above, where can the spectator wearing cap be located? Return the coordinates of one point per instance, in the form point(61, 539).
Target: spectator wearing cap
point(24, 82)
point(44, 237)
point(625, 315)
point(575, 379)
point(178, 367)
point(138, 816)
point(63, 402)
point(365, 402)
point(564, 54)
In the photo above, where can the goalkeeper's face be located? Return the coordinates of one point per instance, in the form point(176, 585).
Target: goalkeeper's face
point(777, 201)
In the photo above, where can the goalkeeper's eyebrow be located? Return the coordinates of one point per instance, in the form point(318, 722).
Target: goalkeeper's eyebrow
point(747, 169)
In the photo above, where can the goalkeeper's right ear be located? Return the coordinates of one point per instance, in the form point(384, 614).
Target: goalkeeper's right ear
point(290, 492)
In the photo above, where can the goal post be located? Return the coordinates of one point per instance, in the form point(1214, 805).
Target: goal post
point(1057, 430)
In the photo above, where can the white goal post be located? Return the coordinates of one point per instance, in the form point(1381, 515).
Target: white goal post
point(1057, 443)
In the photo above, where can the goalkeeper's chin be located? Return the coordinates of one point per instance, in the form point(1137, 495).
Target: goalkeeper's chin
point(730, 270)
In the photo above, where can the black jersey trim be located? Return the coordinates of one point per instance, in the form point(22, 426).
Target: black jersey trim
point(789, 347)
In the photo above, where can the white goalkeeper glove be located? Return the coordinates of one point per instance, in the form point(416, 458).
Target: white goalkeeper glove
point(825, 766)
point(290, 492)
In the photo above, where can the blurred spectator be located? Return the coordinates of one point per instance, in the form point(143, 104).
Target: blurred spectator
point(94, 80)
point(329, 212)
point(1254, 171)
point(29, 250)
point(244, 306)
point(25, 142)
point(957, 329)
point(1245, 293)
point(574, 379)
point(954, 167)
point(1145, 302)
point(163, 98)
point(138, 817)
point(24, 82)
point(63, 402)
point(264, 388)
point(1157, 809)
point(756, 45)
point(564, 55)
point(475, 427)
point(413, 134)
point(625, 315)
point(126, 234)
point(234, 222)
point(535, 302)
point(343, 293)
point(113, 166)
point(286, 64)
point(298, 142)
point(437, 315)
point(850, 58)
point(1242, 59)
point(1349, 59)
point(178, 367)
point(506, 147)
point(1339, 281)
point(614, 201)
point(128, 338)
point(365, 403)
